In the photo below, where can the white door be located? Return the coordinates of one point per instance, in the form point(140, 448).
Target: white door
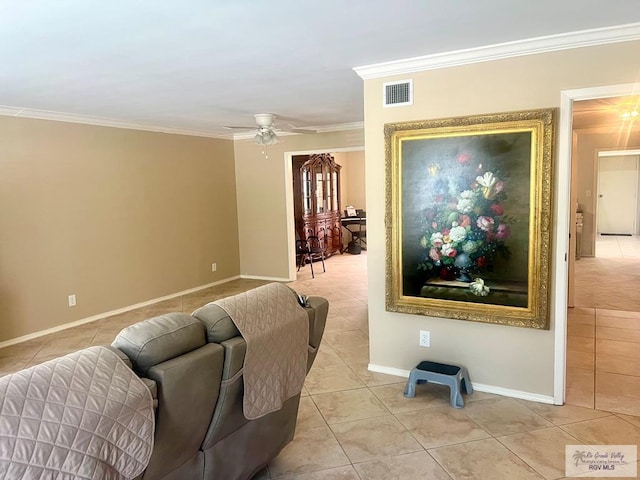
point(617, 185)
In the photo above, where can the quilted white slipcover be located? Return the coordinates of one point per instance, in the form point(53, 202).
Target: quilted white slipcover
point(82, 416)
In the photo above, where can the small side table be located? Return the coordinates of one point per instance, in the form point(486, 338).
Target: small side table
point(454, 376)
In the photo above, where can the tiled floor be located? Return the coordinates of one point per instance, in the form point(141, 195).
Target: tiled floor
point(603, 332)
point(618, 246)
point(356, 425)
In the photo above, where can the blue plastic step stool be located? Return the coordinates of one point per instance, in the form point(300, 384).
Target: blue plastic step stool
point(454, 376)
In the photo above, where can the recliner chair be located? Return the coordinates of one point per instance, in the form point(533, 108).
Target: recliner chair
point(196, 364)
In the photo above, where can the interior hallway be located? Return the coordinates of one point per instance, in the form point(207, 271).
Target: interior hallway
point(356, 425)
point(603, 332)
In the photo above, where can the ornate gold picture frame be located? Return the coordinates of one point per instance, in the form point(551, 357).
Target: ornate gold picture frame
point(468, 217)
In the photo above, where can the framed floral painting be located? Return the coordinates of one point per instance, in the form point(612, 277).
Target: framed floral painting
point(468, 217)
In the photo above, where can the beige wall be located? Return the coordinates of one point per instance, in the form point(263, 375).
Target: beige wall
point(508, 357)
point(262, 197)
point(352, 179)
point(588, 145)
point(352, 184)
point(355, 178)
point(114, 216)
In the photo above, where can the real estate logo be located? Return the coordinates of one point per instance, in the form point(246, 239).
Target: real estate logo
point(601, 461)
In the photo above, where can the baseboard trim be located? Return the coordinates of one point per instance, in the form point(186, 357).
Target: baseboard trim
point(270, 279)
point(481, 387)
point(117, 311)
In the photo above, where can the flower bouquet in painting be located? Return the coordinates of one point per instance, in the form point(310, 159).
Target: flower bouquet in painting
point(464, 227)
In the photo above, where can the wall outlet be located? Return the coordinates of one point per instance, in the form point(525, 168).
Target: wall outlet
point(214, 267)
point(425, 338)
point(72, 300)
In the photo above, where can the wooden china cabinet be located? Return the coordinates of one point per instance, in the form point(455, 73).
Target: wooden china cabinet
point(316, 199)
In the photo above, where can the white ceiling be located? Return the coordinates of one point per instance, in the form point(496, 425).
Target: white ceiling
point(200, 64)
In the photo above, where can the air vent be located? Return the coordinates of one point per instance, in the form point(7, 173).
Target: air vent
point(398, 93)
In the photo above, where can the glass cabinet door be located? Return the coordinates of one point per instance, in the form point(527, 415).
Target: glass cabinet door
point(334, 191)
point(330, 189)
point(320, 199)
point(306, 191)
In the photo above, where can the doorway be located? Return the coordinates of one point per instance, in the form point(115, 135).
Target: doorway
point(617, 200)
point(352, 175)
point(605, 320)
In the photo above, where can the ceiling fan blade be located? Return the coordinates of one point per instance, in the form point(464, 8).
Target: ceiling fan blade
point(235, 127)
point(296, 130)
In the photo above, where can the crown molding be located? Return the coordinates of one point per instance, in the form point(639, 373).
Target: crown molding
point(550, 43)
point(102, 122)
point(108, 122)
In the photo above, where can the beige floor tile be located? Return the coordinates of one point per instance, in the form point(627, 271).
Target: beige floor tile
point(441, 426)
point(563, 414)
point(327, 357)
point(166, 306)
point(618, 364)
point(581, 379)
point(331, 379)
point(579, 330)
point(579, 398)
point(603, 313)
point(350, 313)
point(619, 322)
point(427, 396)
point(621, 334)
point(312, 450)
point(339, 473)
point(87, 330)
point(22, 351)
point(504, 416)
point(410, 466)
point(581, 359)
point(349, 405)
point(11, 365)
point(544, 449)
point(578, 318)
point(59, 347)
point(372, 438)
point(483, 460)
point(614, 347)
point(104, 337)
point(353, 338)
point(122, 320)
point(340, 324)
point(633, 419)
point(581, 344)
point(618, 385)
point(354, 355)
point(581, 311)
point(617, 404)
point(605, 431)
point(372, 379)
point(308, 415)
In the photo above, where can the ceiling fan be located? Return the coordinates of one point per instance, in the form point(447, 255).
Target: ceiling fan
point(266, 129)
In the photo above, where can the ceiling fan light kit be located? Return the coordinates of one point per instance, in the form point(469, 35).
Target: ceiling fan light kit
point(266, 130)
point(265, 136)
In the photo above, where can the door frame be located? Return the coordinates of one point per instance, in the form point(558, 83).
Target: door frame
point(563, 212)
point(288, 173)
point(596, 206)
